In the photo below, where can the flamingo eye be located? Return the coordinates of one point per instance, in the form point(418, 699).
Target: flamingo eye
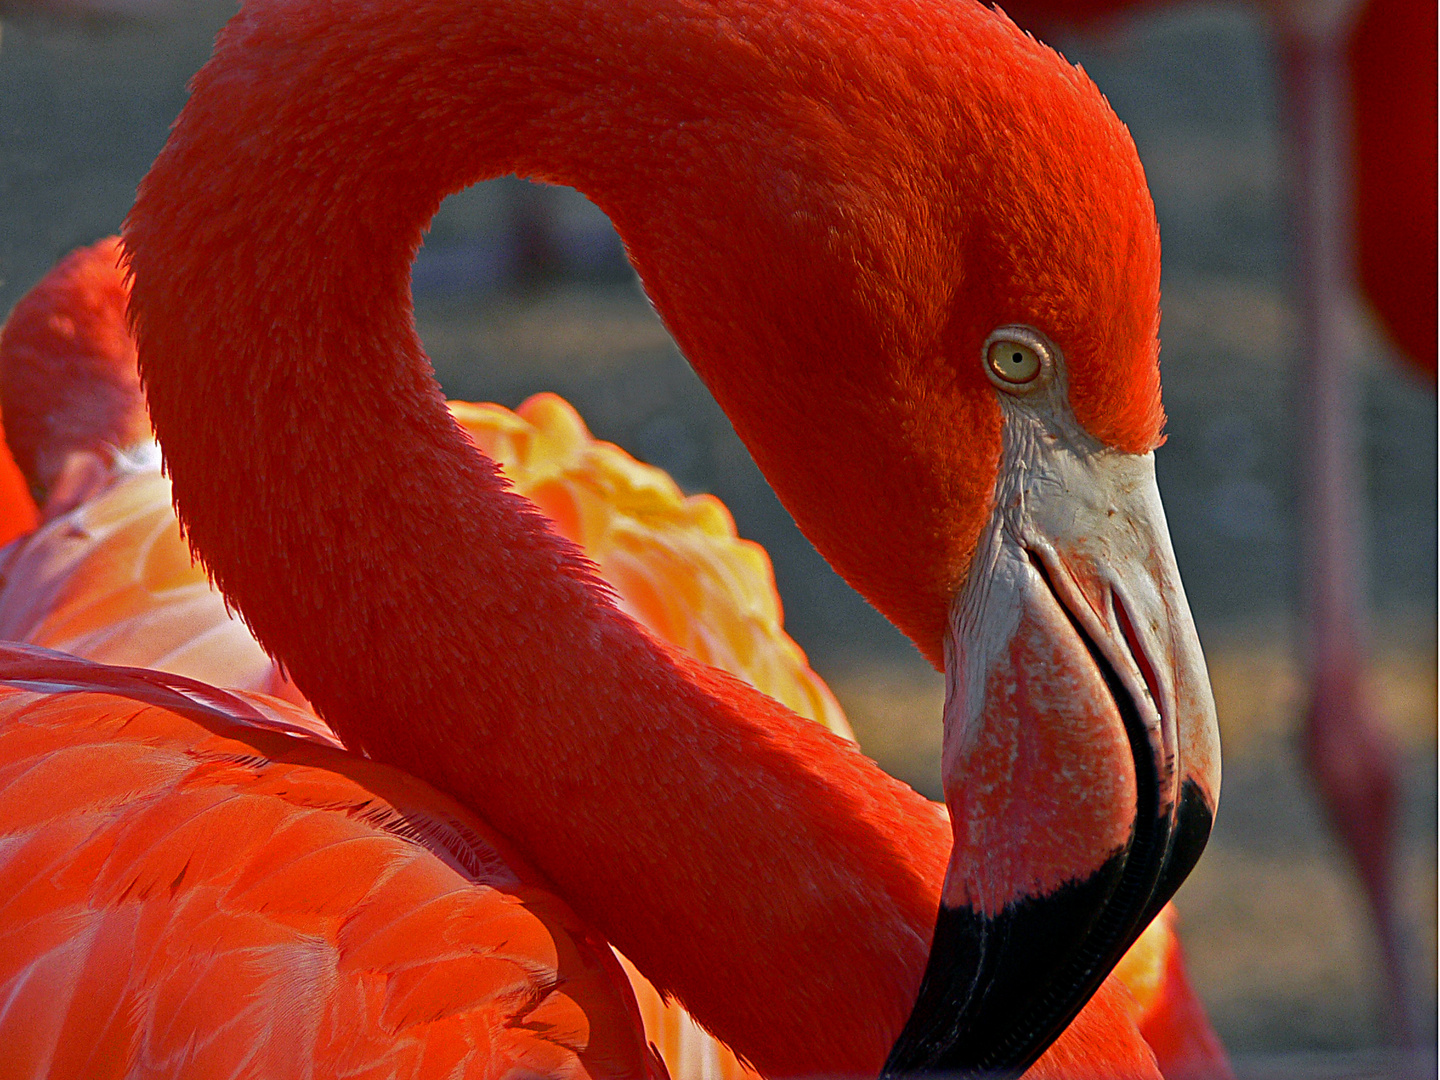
point(1016, 357)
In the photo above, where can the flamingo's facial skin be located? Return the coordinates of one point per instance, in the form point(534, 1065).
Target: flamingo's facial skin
point(1082, 759)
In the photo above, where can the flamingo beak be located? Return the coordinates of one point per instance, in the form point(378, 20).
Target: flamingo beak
point(1081, 757)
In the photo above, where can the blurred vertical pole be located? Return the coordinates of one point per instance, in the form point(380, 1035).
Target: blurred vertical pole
point(536, 258)
point(1352, 758)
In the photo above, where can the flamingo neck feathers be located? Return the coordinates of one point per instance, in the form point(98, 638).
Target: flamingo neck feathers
point(747, 861)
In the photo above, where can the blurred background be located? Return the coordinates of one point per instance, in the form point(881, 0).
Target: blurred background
point(521, 289)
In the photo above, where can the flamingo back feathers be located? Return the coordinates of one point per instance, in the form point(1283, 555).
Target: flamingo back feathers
point(177, 877)
point(113, 581)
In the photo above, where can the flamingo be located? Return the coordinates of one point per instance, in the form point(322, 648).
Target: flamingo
point(476, 623)
point(109, 578)
point(1392, 71)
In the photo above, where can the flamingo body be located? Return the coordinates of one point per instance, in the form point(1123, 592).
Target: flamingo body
point(112, 580)
point(177, 854)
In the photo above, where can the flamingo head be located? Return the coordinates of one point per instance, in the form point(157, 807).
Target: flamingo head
point(68, 381)
point(942, 348)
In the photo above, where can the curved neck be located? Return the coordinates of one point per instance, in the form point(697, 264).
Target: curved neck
point(716, 135)
point(430, 614)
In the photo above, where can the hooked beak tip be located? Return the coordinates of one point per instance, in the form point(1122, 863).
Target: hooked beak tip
point(1081, 783)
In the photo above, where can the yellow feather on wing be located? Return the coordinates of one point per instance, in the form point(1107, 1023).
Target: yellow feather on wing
point(675, 561)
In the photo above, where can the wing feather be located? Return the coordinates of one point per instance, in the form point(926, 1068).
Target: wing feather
point(191, 890)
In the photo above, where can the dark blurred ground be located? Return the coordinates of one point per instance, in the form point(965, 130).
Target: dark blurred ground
point(1278, 938)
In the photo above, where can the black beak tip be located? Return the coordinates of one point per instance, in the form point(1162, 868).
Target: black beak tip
point(998, 991)
point(985, 1007)
point(1194, 818)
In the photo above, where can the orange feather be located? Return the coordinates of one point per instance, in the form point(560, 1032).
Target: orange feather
point(176, 855)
